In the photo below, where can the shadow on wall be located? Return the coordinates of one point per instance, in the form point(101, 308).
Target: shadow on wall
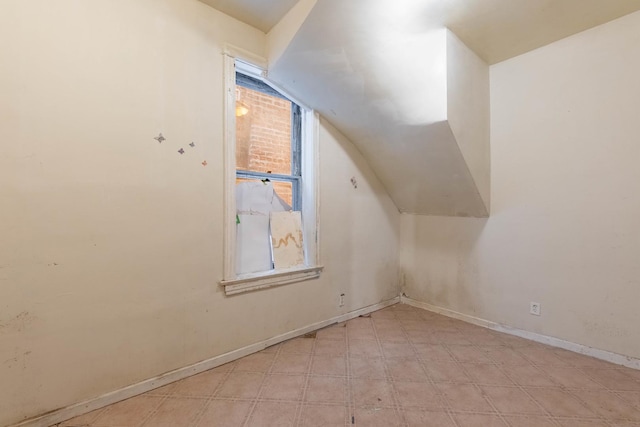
point(353, 196)
point(439, 260)
point(361, 173)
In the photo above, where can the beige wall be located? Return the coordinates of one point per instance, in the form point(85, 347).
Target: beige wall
point(468, 114)
point(112, 243)
point(565, 218)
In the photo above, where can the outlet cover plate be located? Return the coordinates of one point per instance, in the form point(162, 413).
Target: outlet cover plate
point(534, 308)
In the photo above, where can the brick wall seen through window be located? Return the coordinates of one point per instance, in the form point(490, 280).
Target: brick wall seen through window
point(263, 136)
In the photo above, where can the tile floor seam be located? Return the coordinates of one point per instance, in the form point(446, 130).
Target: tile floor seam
point(515, 384)
point(389, 376)
point(524, 390)
point(351, 410)
point(305, 386)
point(443, 400)
point(164, 399)
point(265, 375)
point(210, 398)
point(587, 372)
point(568, 390)
point(148, 417)
point(621, 396)
point(479, 389)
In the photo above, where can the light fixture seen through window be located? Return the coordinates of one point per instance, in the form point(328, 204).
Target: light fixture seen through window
point(241, 109)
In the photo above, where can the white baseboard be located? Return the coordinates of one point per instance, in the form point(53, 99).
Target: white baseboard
point(616, 358)
point(178, 374)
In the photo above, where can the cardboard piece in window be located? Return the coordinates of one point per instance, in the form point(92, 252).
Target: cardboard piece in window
point(257, 197)
point(286, 239)
point(253, 251)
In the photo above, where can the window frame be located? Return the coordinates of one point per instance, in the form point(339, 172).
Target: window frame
point(255, 67)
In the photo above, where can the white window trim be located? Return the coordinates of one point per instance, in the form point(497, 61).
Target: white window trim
point(233, 283)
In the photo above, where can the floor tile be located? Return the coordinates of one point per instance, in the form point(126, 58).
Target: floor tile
point(527, 375)
point(360, 323)
point(223, 413)
point(377, 417)
point(176, 412)
point(443, 371)
point(614, 379)
point(511, 400)
point(543, 356)
point(164, 390)
point(257, 362)
point(83, 420)
point(291, 363)
point(418, 395)
point(333, 332)
point(329, 365)
point(331, 347)
point(420, 337)
point(272, 414)
point(399, 366)
point(427, 351)
point(570, 377)
point(608, 405)
point(367, 368)
point(128, 413)
point(364, 348)
point(632, 397)
point(241, 385)
point(367, 392)
point(421, 418)
point(401, 369)
point(479, 420)
point(581, 422)
point(506, 356)
point(560, 403)
point(487, 374)
point(315, 415)
point(326, 389)
point(468, 353)
point(529, 421)
point(392, 336)
point(283, 387)
point(464, 397)
point(298, 345)
point(393, 349)
point(451, 338)
point(200, 385)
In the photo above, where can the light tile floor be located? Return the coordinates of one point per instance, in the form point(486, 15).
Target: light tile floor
point(401, 366)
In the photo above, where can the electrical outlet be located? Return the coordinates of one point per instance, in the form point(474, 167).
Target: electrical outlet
point(341, 304)
point(535, 308)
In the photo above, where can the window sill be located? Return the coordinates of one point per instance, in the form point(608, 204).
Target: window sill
point(255, 281)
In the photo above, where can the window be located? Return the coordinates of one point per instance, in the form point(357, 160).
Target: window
point(268, 138)
point(270, 182)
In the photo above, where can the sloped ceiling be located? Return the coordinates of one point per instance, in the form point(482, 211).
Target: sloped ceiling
point(494, 29)
point(261, 14)
point(381, 73)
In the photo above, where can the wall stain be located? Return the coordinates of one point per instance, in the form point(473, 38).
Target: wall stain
point(285, 241)
point(18, 323)
point(17, 359)
point(603, 328)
